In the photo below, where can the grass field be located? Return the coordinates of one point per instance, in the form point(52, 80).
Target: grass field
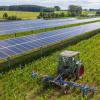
point(83, 12)
point(33, 15)
point(88, 12)
point(20, 14)
point(18, 84)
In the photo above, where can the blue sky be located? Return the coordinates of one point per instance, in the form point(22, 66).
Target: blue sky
point(62, 3)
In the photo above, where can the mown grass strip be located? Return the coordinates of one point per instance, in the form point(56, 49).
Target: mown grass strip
point(3, 37)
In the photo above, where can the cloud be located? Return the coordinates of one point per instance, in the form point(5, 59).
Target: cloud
point(62, 3)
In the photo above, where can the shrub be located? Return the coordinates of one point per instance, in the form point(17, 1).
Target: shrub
point(5, 15)
point(98, 13)
point(13, 18)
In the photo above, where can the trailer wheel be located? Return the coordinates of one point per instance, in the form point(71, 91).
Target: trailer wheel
point(91, 93)
point(79, 72)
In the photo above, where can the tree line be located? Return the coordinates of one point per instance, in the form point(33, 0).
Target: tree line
point(72, 11)
point(31, 8)
point(47, 12)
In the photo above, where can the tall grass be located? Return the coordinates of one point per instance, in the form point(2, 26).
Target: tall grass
point(18, 84)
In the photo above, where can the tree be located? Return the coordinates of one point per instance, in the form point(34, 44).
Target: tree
point(74, 10)
point(5, 15)
point(98, 13)
point(33, 8)
point(57, 8)
point(41, 14)
point(62, 14)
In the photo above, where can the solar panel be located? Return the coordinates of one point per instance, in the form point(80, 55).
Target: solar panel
point(7, 51)
point(4, 43)
point(21, 26)
point(11, 42)
point(2, 55)
point(16, 49)
point(22, 47)
point(22, 44)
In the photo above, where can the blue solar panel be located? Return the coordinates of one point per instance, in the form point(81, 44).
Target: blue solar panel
point(21, 47)
point(8, 52)
point(21, 26)
point(22, 44)
point(11, 42)
point(2, 55)
point(4, 43)
point(27, 45)
point(16, 41)
point(15, 49)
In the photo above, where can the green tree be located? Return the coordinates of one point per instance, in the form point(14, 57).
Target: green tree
point(98, 13)
point(5, 15)
point(62, 14)
point(74, 10)
point(57, 8)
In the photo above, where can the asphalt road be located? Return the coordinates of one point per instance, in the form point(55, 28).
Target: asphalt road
point(19, 45)
point(28, 25)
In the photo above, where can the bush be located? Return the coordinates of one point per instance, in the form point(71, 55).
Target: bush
point(13, 18)
point(62, 14)
point(82, 15)
point(51, 15)
point(38, 17)
point(98, 13)
point(5, 15)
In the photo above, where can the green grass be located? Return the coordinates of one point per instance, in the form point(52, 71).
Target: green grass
point(19, 85)
point(20, 14)
point(4, 37)
point(33, 15)
point(88, 12)
point(83, 12)
point(65, 12)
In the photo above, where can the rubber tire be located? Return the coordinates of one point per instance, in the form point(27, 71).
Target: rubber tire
point(77, 72)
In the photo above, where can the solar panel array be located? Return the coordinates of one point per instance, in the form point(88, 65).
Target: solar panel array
point(19, 45)
point(21, 26)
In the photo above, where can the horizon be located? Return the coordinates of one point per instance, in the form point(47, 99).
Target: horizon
point(63, 4)
point(44, 6)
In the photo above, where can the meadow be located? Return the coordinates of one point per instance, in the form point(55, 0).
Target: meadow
point(88, 12)
point(18, 84)
point(83, 12)
point(33, 15)
point(20, 14)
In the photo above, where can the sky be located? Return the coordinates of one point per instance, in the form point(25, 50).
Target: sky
point(51, 3)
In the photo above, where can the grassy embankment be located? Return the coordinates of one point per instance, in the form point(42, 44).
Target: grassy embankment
point(8, 36)
point(19, 85)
